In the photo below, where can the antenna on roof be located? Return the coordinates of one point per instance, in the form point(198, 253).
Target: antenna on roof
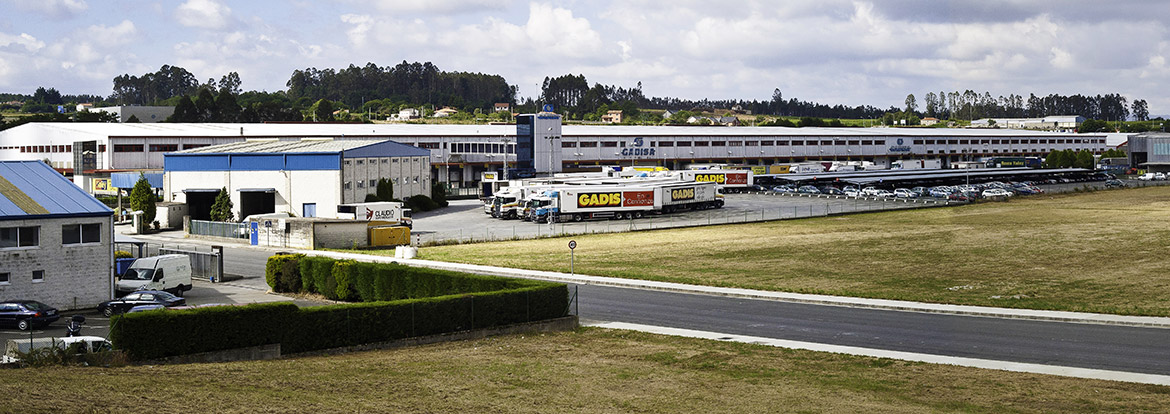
point(241, 131)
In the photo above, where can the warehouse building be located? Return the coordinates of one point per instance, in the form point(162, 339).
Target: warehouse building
point(1150, 151)
point(56, 241)
point(537, 143)
point(306, 178)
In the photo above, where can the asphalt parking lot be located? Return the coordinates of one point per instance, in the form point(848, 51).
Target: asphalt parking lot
point(465, 220)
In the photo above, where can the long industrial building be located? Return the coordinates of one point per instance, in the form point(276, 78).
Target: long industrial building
point(537, 143)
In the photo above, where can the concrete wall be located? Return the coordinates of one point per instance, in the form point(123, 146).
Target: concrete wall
point(170, 215)
point(303, 233)
point(75, 276)
point(340, 234)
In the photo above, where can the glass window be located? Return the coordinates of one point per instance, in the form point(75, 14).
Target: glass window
point(70, 234)
point(38, 276)
point(19, 236)
point(5, 278)
point(361, 184)
point(348, 185)
point(373, 183)
point(588, 144)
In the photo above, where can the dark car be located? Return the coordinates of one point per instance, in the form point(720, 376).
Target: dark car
point(1114, 183)
point(27, 314)
point(142, 297)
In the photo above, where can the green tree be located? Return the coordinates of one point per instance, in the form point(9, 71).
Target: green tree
point(142, 199)
point(439, 193)
point(385, 190)
point(322, 111)
point(221, 209)
point(185, 111)
point(1085, 160)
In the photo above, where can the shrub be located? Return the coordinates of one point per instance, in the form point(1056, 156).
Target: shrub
point(149, 335)
point(275, 269)
point(314, 270)
point(121, 254)
point(342, 274)
point(421, 203)
point(290, 275)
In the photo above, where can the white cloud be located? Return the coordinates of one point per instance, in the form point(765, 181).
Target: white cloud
point(24, 40)
point(205, 14)
point(54, 8)
point(437, 6)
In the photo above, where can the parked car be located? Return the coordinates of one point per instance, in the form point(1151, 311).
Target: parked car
point(996, 192)
point(885, 193)
point(1114, 183)
point(27, 314)
point(808, 189)
point(870, 191)
point(1159, 176)
point(832, 191)
point(921, 191)
point(145, 297)
point(852, 192)
point(904, 193)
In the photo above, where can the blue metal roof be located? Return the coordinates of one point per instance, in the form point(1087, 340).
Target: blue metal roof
point(32, 189)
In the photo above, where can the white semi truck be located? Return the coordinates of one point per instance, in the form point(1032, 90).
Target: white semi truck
point(579, 203)
point(727, 180)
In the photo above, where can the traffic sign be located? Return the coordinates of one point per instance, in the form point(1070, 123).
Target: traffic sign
point(572, 244)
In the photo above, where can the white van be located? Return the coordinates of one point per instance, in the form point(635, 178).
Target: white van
point(169, 272)
point(88, 344)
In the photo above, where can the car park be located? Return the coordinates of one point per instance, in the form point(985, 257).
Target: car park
point(145, 297)
point(27, 314)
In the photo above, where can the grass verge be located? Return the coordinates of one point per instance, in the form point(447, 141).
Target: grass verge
point(1103, 251)
point(590, 370)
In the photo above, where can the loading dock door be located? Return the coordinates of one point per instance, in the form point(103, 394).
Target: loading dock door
point(257, 201)
point(199, 201)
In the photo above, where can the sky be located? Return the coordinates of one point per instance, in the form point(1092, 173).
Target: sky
point(827, 51)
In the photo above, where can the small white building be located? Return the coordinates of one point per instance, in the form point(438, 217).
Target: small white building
point(56, 241)
point(305, 178)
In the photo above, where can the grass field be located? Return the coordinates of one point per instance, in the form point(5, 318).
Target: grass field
point(1105, 251)
point(591, 370)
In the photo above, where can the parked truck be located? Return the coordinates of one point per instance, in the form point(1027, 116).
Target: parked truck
point(390, 211)
point(934, 164)
point(509, 202)
point(624, 202)
point(727, 180)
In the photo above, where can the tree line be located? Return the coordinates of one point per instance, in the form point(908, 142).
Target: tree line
point(971, 105)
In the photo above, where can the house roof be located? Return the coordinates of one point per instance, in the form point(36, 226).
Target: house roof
point(32, 189)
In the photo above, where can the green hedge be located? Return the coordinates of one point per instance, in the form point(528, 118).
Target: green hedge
point(157, 334)
point(402, 302)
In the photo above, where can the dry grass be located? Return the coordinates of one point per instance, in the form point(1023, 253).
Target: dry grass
point(1100, 252)
point(592, 370)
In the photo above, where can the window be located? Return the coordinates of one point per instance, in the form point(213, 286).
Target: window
point(796, 143)
point(385, 160)
point(38, 276)
point(701, 143)
point(770, 143)
point(683, 143)
point(19, 237)
point(609, 144)
point(81, 233)
point(866, 142)
point(373, 183)
point(128, 147)
point(5, 278)
point(854, 142)
point(164, 147)
point(360, 162)
point(826, 142)
point(346, 162)
point(718, 143)
point(347, 185)
point(361, 184)
point(568, 145)
point(666, 143)
point(193, 146)
point(588, 145)
point(750, 143)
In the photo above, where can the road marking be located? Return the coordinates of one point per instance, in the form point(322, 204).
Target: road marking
point(905, 356)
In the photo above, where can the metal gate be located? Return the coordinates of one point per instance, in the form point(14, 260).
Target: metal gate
point(204, 265)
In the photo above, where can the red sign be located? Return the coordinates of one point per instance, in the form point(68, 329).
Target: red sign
point(736, 178)
point(637, 198)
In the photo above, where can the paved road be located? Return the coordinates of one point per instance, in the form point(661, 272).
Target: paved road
point(1117, 348)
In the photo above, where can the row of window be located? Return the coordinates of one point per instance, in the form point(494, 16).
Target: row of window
point(479, 148)
point(155, 147)
point(38, 276)
point(372, 161)
point(30, 236)
point(374, 183)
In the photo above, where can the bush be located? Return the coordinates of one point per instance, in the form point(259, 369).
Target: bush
point(343, 276)
point(149, 335)
point(120, 254)
point(314, 271)
point(275, 269)
point(421, 203)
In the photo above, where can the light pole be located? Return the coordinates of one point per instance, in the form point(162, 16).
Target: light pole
point(505, 138)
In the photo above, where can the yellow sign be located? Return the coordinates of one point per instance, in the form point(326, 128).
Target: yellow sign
point(599, 200)
point(102, 184)
point(682, 194)
point(714, 178)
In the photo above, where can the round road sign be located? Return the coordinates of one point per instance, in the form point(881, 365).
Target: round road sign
point(572, 244)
